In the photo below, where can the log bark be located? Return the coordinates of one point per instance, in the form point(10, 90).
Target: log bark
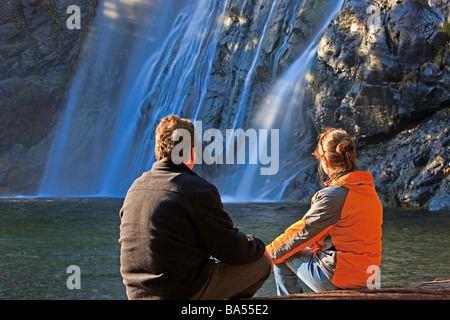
point(434, 290)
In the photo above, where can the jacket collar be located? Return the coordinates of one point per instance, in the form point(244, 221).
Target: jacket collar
point(331, 180)
point(359, 181)
point(170, 166)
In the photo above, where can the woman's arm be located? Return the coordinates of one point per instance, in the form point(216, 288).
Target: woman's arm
point(324, 213)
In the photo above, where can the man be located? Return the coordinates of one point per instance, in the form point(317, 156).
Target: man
point(172, 222)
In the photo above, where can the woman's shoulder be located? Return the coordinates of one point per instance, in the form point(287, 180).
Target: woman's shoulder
point(331, 193)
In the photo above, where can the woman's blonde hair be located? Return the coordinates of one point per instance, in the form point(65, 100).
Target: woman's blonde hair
point(338, 148)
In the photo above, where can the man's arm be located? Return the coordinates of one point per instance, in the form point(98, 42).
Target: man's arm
point(220, 237)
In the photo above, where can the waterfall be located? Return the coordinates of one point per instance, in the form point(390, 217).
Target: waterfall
point(145, 60)
point(250, 74)
point(283, 109)
point(161, 88)
point(160, 72)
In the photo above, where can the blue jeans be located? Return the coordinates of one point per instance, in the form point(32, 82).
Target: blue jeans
point(300, 273)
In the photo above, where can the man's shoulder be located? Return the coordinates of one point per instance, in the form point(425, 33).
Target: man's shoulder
point(188, 184)
point(182, 182)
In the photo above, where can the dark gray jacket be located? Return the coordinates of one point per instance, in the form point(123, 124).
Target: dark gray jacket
point(172, 222)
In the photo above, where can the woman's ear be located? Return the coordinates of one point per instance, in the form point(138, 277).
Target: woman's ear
point(325, 162)
point(325, 166)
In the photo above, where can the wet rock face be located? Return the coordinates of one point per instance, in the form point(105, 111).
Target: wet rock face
point(383, 73)
point(412, 169)
point(377, 72)
point(37, 56)
point(37, 53)
point(288, 27)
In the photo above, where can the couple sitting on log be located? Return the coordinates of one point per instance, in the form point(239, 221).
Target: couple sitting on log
point(177, 242)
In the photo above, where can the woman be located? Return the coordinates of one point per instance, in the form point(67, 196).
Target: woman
point(337, 243)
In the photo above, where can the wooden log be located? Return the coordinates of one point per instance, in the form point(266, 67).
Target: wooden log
point(434, 290)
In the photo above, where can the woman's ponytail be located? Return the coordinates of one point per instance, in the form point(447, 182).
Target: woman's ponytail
point(338, 148)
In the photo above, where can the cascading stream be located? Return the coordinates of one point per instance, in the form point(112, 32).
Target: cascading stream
point(283, 109)
point(143, 61)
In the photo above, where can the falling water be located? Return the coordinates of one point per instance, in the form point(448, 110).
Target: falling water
point(161, 89)
point(283, 108)
point(100, 153)
point(143, 61)
point(237, 123)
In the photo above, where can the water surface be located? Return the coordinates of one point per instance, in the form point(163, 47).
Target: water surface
point(40, 238)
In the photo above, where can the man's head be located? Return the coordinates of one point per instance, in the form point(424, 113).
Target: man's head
point(171, 132)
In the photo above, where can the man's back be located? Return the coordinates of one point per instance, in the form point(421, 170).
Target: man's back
point(172, 222)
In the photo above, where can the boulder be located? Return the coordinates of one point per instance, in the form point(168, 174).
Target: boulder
point(375, 76)
point(412, 169)
point(382, 73)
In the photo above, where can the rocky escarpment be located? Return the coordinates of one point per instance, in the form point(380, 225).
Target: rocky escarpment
point(382, 73)
point(243, 49)
point(412, 169)
point(382, 68)
point(377, 72)
point(37, 56)
point(259, 41)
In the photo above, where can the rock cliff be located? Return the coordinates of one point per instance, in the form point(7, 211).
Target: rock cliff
point(382, 73)
point(412, 168)
point(37, 56)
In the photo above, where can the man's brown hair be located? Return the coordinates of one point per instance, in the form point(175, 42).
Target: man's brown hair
point(165, 143)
